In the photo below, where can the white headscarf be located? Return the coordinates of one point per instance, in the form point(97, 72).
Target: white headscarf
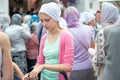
point(52, 10)
point(109, 13)
point(5, 21)
point(86, 17)
point(26, 19)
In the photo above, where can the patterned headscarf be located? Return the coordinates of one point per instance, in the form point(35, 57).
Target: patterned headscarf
point(109, 13)
point(71, 15)
point(52, 10)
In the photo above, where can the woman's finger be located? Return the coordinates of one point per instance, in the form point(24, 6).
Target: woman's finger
point(26, 77)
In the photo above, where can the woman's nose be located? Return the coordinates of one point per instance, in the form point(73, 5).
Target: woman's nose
point(44, 23)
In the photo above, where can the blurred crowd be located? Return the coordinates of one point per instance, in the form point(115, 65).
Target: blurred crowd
point(38, 44)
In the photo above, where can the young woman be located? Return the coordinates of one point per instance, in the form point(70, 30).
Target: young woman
point(56, 47)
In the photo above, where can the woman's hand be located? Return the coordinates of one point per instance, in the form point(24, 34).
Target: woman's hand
point(26, 77)
point(33, 75)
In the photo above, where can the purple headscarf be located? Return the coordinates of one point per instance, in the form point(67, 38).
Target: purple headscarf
point(72, 16)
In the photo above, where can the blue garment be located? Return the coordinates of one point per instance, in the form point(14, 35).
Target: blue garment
point(40, 31)
point(16, 77)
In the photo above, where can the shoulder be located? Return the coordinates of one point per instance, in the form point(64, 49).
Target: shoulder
point(66, 34)
point(3, 38)
point(109, 28)
point(43, 38)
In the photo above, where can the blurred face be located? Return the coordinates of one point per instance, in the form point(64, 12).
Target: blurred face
point(14, 9)
point(57, 1)
point(92, 23)
point(21, 10)
point(47, 22)
point(98, 16)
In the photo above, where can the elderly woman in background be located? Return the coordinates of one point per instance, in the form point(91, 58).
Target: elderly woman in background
point(87, 18)
point(17, 36)
point(26, 22)
point(32, 48)
point(5, 22)
point(82, 67)
point(105, 48)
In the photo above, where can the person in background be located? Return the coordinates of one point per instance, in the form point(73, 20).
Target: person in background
point(98, 27)
point(63, 22)
point(107, 19)
point(88, 19)
point(6, 18)
point(19, 11)
point(111, 71)
point(82, 67)
point(5, 22)
point(110, 48)
point(56, 48)
point(20, 74)
point(6, 67)
point(17, 36)
point(26, 22)
point(13, 11)
point(34, 18)
point(32, 48)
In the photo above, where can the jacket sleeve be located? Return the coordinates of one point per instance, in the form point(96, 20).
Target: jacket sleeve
point(25, 34)
point(68, 50)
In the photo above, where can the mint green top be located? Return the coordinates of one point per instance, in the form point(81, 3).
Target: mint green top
point(51, 54)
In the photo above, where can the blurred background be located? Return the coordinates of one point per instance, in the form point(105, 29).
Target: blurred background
point(25, 6)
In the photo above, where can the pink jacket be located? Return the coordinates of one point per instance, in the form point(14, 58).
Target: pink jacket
point(32, 47)
point(66, 50)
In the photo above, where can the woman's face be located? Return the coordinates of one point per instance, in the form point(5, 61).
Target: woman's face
point(98, 16)
point(92, 23)
point(47, 22)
